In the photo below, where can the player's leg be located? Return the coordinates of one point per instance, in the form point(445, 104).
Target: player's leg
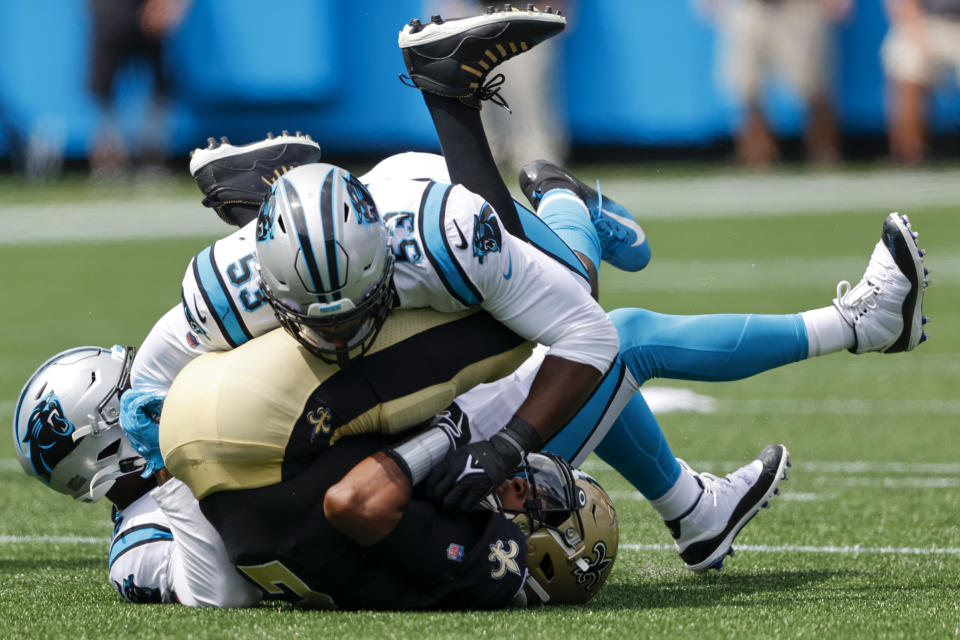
point(882, 313)
point(703, 513)
point(589, 221)
point(449, 61)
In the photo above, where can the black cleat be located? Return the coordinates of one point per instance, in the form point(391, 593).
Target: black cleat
point(235, 179)
point(452, 58)
point(622, 240)
point(704, 535)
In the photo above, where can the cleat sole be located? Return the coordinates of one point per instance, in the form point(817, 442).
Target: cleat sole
point(725, 548)
point(898, 238)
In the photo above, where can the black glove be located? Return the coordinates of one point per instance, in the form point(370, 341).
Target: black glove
point(466, 475)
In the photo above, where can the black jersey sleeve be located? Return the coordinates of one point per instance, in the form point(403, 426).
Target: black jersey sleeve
point(278, 537)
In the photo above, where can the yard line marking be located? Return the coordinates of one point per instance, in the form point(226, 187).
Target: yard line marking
point(752, 274)
point(811, 467)
point(717, 196)
point(690, 197)
point(52, 539)
point(803, 497)
point(785, 495)
point(841, 406)
point(892, 483)
point(788, 548)
point(108, 220)
point(881, 467)
point(819, 467)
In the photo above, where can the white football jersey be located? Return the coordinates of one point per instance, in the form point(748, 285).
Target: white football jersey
point(140, 553)
point(164, 550)
point(451, 253)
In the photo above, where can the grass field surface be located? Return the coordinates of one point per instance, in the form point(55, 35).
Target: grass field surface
point(863, 542)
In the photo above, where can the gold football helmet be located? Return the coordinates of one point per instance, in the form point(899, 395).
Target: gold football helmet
point(571, 529)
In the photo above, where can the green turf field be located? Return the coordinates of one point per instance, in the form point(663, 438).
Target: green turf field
point(863, 542)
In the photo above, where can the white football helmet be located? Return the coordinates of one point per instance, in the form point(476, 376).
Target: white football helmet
point(325, 265)
point(66, 424)
point(571, 529)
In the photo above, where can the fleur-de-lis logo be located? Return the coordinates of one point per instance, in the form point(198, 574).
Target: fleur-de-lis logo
point(322, 422)
point(505, 559)
point(594, 571)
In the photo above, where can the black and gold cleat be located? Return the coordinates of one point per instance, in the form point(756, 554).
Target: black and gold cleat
point(235, 179)
point(452, 58)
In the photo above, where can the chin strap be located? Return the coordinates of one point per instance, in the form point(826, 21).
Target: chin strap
point(101, 482)
point(537, 589)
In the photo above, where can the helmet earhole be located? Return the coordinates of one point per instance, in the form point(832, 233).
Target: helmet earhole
point(546, 566)
point(109, 450)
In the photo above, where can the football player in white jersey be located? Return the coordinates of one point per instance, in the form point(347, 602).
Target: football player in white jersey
point(237, 308)
point(165, 550)
point(66, 433)
point(673, 489)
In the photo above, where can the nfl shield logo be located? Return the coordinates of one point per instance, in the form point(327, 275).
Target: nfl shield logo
point(455, 552)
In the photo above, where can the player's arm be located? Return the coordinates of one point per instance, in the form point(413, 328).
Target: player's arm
point(539, 300)
point(368, 503)
point(201, 572)
point(168, 348)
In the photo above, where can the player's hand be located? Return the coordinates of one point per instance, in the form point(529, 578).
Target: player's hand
point(140, 421)
point(466, 475)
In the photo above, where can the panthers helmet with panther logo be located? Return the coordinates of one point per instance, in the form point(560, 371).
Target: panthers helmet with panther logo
point(66, 424)
point(325, 264)
point(571, 529)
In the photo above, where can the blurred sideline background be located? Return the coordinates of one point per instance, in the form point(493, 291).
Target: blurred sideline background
point(635, 80)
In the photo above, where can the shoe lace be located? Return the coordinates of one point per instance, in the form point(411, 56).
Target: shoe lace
point(491, 91)
point(713, 485)
point(605, 228)
point(859, 299)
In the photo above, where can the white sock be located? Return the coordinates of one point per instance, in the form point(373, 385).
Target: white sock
point(681, 496)
point(827, 331)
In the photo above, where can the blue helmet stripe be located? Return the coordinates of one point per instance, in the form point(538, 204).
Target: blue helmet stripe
point(138, 536)
point(295, 207)
point(328, 216)
point(217, 296)
point(432, 229)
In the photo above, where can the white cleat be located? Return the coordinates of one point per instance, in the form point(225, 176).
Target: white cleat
point(885, 307)
point(704, 535)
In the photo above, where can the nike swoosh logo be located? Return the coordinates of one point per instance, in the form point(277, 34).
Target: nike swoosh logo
point(463, 241)
point(509, 272)
point(196, 308)
point(629, 223)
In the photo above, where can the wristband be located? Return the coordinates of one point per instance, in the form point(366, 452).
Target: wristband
point(418, 455)
point(522, 434)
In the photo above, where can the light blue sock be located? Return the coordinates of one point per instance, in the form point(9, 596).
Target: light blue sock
point(568, 217)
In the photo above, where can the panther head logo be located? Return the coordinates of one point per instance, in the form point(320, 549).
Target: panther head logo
point(144, 595)
point(266, 218)
point(49, 434)
point(363, 203)
point(486, 233)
